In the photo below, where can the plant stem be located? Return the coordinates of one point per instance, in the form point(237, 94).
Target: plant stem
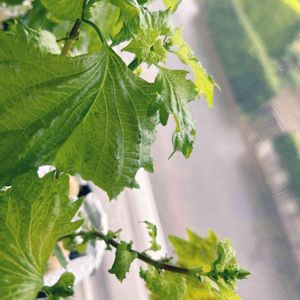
point(134, 64)
point(141, 256)
point(96, 28)
point(71, 37)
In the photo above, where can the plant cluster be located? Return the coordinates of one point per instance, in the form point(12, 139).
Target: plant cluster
point(93, 115)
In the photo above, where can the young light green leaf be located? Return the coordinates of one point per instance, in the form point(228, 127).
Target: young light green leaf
point(201, 289)
point(124, 258)
point(34, 214)
point(149, 33)
point(214, 257)
point(147, 47)
point(164, 285)
point(129, 9)
point(175, 91)
point(63, 288)
point(225, 256)
point(64, 9)
point(152, 232)
point(172, 4)
point(203, 82)
point(225, 268)
point(155, 27)
point(227, 294)
point(196, 251)
point(86, 114)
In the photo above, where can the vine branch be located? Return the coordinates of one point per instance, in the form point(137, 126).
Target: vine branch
point(71, 37)
point(158, 264)
point(96, 28)
point(134, 64)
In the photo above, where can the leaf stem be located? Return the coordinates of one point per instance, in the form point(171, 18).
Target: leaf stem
point(71, 37)
point(134, 64)
point(96, 28)
point(140, 255)
point(74, 32)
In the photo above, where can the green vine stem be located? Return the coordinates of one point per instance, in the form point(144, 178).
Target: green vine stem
point(96, 28)
point(158, 264)
point(71, 37)
point(134, 64)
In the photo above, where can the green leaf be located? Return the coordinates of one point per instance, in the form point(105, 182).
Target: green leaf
point(196, 251)
point(86, 114)
point(225, 256)
point(203, 82)
point(152, 232)
point(129, 8)
point(172, 4)
point(149, 34)
point(164, 285)
point(202, 290)
point(227, 294)
point(124, 258)
point(64, 9)
point(175, 91)
point(34, 214)
point(142, 2)
point(108, 26)
point(12, 2)
point(225, 268)
point(64, 287)
point(214, 257)
point(155, 27)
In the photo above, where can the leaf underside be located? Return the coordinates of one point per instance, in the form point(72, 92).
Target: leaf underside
point(86, 114)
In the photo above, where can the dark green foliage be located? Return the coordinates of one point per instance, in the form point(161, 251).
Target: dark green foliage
point(242, 53)
point(63, 288)
point(288, 149)
point(276, 23)
point(12, 2)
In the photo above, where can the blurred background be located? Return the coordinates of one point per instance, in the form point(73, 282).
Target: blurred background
point(243, 178)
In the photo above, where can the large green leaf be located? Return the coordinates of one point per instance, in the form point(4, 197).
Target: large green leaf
point(85, 114)
point(34, 214)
